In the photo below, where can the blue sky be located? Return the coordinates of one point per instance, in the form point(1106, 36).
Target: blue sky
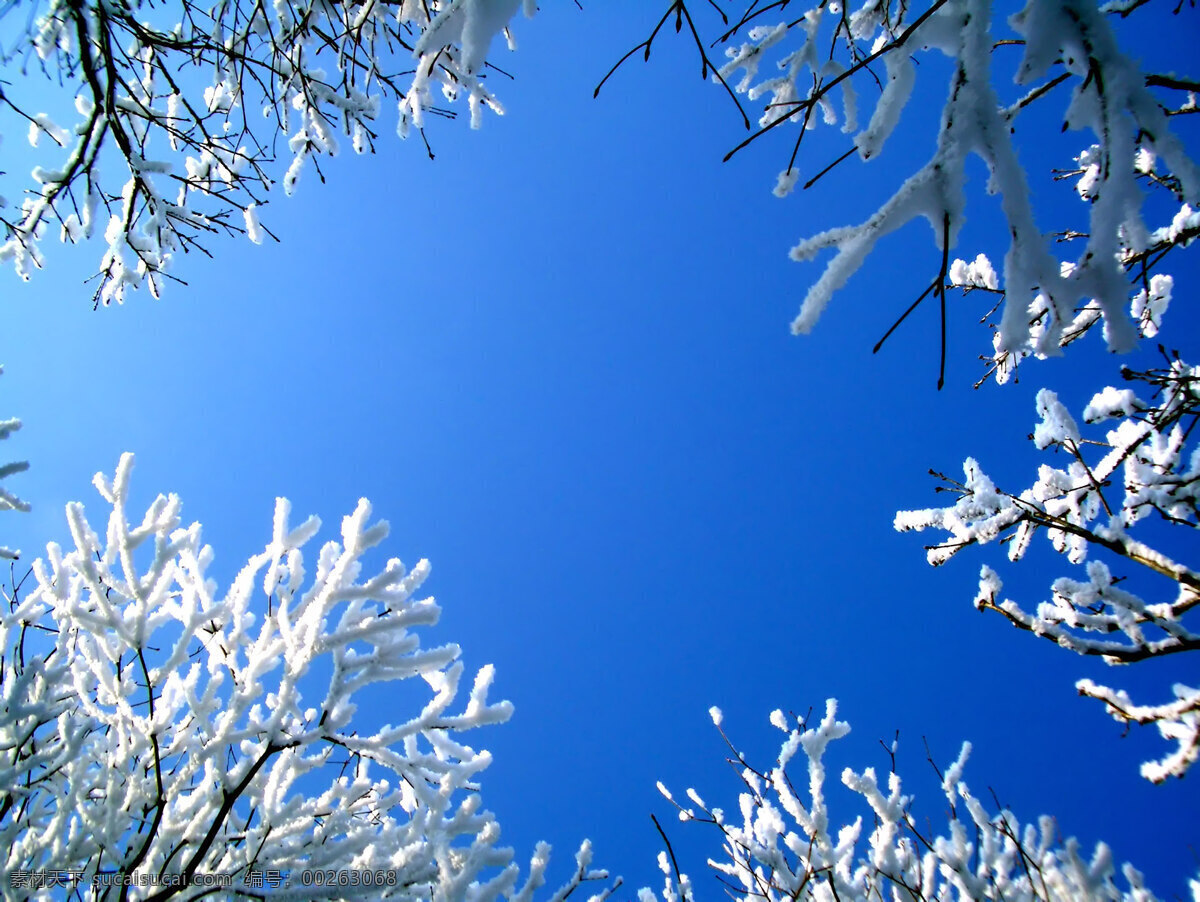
point(557, 360)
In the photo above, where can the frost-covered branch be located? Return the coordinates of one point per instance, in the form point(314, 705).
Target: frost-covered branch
point(1149, 293)
point(1147, 465)
point(822, 65)
point(156, 730)
point(9, 501)
point(786, 842)
point(190, 105)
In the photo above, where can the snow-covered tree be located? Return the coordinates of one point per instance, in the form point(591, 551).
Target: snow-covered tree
point(786, 841)
point(186, 108)
point(834, 62)
point(1133, 167)
point(160, 735)
point(1147, 466)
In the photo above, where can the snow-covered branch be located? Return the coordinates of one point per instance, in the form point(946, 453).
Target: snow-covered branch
point(1148, 464)
point(829, 59)
point(9, 501)
point(190, 106)
point(787, 842)
point(156, 730)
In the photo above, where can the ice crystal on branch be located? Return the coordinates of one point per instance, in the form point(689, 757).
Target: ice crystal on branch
point(190, 106)
point(1147, 465)
point(154, 727)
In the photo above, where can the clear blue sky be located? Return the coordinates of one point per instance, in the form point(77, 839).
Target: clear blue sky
point(557, 360)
